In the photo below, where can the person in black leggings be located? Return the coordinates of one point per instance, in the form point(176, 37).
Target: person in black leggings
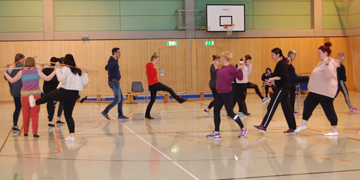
point(155, 85)
point(212, 83)
point(281, 94)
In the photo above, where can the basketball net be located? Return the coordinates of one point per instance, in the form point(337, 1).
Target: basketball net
point(229, 28)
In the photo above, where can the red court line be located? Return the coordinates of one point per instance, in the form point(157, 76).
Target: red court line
point(346, 160)
point(5, 140)
point(57, 140)
point(289, 155)
point(21, 129)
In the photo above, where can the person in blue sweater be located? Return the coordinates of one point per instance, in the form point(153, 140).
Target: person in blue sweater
point(114, 82)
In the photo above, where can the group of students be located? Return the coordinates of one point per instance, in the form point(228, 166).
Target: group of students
point(326, 81)
point(63, 83)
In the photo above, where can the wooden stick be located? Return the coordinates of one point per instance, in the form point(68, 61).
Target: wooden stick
point(17, 62)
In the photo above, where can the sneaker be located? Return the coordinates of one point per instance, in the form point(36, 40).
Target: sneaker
point(331, 134)
point(51, 124)
point(241, 114)
point(32, 101)
point(83, 99)
point(265, 100)
point(353, 109)
point(247, 114)
point(56, 102)
point(290, 132)
point(300, 128)
point(243, 132)
point(214, 134)
point(15, 130)
point(123, 117)
point(59, 122)
point(183, 100)
point(105, 115)
point(207, 112)
point(25, 135)
point(296, 113)
point(36, 136)
point(260, 128)
point(69, 138)
point(149, 117)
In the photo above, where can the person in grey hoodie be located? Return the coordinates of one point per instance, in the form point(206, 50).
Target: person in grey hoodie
point(15, 88)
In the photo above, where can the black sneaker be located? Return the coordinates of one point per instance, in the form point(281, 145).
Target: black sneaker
point(25, 134)
point(247, 113)
point(36, 136)
point(149, 117)
point(105, 115)
point(290, 132)
point(15, 130)
point(123, 117)
point(51, 124)
point(83, 99)
point(59, 122)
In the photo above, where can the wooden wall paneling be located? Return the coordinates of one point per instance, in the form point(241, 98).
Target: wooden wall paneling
point(349, 66)
point(187, 64)
point(355, 52)
point(180, 68)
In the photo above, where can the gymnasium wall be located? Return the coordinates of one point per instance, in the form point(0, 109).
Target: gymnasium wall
point(186, 66)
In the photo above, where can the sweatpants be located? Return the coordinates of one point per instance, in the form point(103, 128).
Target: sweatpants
point(256, 87)
point(343, 89)
point(294, 81)
point(17, 101)
point(68, 97)
point(30, 113)
point(239, 95)
point(327, 103)
point(157, 87)
point(220, 100)
point(214, 92)
point(280, 95)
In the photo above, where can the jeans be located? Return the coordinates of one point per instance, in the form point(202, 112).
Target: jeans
point(16, 114)
point(119, 98)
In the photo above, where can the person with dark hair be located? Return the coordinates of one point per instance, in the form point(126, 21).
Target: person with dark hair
point(30, 89)
point(240, 86)
point(72, 81)
point(212, 83)
point(15, 89)
point(281, 94)
point(268, 74)
point(341, 74)
point(47, 88)
point(224, 77)
point(323, 86)
point(155, 85)
point(114, 82)
point(294, 79)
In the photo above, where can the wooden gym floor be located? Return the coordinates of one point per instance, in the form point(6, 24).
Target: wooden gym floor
point(174, 146)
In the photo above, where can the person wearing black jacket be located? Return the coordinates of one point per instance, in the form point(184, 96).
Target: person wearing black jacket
point(294, 79)
point(212, 83)
point(268, 74)
point(341, 74)
point(281, 94)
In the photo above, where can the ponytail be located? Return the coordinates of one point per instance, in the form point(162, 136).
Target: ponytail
point(154, 56)
point(279, 51)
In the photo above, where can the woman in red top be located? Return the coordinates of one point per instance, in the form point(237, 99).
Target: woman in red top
point(155, 85)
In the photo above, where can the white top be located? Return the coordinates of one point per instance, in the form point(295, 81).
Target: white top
point(246, 72)
point(323, 79)
point(70, 81)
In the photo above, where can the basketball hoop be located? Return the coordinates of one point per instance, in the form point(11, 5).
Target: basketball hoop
point(229, 28)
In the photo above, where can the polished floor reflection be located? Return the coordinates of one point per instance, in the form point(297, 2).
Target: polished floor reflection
point(173, 145)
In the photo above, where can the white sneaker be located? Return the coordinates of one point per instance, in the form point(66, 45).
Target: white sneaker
point(207, 112)
point(265, 100)
point(32, 101)
point(300, 128)
point(69, 138)
point(331, 134)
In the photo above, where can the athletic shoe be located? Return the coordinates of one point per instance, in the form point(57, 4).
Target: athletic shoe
point(122, 117)
point(105, 115)
point(56, 102)
point(214, 135)
point(265, 100)
point(207, 112)
point(300, 128)
point(15, 130)
point(260, 128)
point(296, 113)
point(183, 100)
point(247, 114)
point(69, 138)
point(353, 109)
point(331, 134)
point(51, 124)
point(25, 134)
point(149, 117)
point(32, 101)
point(83, 99)
point(290, 132)
point(59, 122)
point(243, 132)
point(36, 136)
point(241, 114)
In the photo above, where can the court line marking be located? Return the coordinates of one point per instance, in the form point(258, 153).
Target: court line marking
point(167, 157)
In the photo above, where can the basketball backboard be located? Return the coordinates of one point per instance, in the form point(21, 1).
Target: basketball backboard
point(220, 14)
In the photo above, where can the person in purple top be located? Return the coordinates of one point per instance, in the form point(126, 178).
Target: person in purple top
point(224, 78)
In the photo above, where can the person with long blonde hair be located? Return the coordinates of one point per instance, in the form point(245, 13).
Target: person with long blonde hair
point(30, 80)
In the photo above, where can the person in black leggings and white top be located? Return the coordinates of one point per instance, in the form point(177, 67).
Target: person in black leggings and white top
point(341, 74)
point(212, 83)
point(323, 86)
point(281, 94)
point(72, 81)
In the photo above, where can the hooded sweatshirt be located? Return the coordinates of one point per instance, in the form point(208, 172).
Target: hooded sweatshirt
point(151, 74)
